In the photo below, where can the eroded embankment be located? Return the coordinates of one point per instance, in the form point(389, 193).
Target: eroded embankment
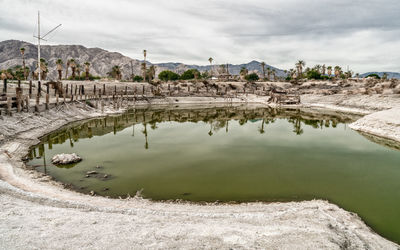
point(36, 212)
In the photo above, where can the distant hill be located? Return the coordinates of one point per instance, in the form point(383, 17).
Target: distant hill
point(380, 74)
point(101, 60)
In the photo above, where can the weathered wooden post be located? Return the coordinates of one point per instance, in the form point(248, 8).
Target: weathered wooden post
point(115, 89)
point(37, 103)
point(94, 89)
point(30, 89)
point(126, 90)
point(57, 99)
point(143, 89)
point(47, 101)
point(104, 89)
point(27, 103)
point(5, 86)
point(76, 89)
point(66, 89)
point(48, 88)
point(39, 88)
point(18, 93)
point(9, 106)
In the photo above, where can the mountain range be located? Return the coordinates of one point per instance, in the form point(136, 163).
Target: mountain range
point(101, 60)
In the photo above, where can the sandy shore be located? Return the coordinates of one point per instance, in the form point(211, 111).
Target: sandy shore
point(36, 212)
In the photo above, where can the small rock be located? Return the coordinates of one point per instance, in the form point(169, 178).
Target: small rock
point(62, 159)
point(87, 176)
point(105, 176)
point(92, 193)
point(91, 172)
point(106, 189)
point(98, 167)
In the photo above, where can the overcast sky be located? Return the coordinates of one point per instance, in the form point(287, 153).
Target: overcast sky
point(362, 34)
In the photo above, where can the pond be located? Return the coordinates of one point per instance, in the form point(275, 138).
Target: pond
point(235, 153)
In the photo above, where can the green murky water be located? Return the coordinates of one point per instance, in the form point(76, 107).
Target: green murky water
point(232, 154)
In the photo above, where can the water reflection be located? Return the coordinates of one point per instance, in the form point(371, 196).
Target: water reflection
point(217, 117)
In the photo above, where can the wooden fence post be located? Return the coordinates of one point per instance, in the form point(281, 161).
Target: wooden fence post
point(47, 101)
point(9, 106)
point(30, 89)
point(37, 103)
point(27, 103)
point(5, 86)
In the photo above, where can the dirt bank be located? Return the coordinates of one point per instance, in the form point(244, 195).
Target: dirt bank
point(36, 212)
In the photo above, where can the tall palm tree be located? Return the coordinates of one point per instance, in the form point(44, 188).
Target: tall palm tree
point(22, 50)
point(300, 64)
point(263, 69)
point(243, 72)
point(66, 68)
point(151, 73)
point(269, 73)
point(274, 74)
point(338, 71)
point(144, 67)
point(72, 64)
point(329, 70)
point(59, 63)
point(211, 60)
point(78, 70)
point(43, 68)
point(87, 67)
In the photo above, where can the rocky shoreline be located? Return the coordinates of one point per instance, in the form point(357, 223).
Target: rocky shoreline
point(30, 200)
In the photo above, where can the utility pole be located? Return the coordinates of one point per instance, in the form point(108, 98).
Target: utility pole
point(42, 38)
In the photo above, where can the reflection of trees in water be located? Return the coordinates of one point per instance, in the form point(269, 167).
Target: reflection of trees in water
point(217, 118)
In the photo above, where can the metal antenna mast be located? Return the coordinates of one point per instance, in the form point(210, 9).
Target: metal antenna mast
point(42, 38)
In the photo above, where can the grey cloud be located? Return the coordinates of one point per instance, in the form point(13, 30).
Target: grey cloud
point(364, 34)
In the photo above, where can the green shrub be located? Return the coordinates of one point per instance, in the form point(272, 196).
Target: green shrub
point(373, 75)
point(190, 74)
point(168, 75)
point(137, 79)
point(252, 77)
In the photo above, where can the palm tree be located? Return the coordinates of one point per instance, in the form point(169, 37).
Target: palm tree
point(329, 70)
point(72, 64)
point(87, 67)
point(43, 69)
point(115, 72)
point(66, 69)
point(78, 70)
point(338, 71)
point(144, 71)
point(151, 73)
point(269, 73)
point(299, 65)
point(263, 69)
point(318, 68)
point(59, 63)
point(274, 74)
point(211, 60)
point(243, 72)
point(22, 50)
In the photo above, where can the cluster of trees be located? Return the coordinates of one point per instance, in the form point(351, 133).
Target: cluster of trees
point(189, 74)
point(318, 72)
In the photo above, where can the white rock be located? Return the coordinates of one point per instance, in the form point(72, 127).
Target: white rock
point(62, 159)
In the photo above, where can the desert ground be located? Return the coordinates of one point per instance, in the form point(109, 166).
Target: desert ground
point(38, 212)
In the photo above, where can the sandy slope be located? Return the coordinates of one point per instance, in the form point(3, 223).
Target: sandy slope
point(36, 212)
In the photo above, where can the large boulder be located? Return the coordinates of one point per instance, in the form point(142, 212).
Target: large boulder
point(63, 159)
